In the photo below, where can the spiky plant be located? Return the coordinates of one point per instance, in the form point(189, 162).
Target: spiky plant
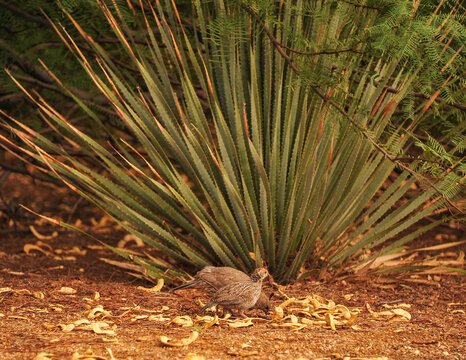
point(247, 134)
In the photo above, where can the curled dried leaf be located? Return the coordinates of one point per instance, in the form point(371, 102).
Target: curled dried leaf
point(98, 311)
point(44, 356)
point(156, 288)
point(343, 310)
point(48, 326)
point(66, 327)
point(67, 290)
point(293, 319)
point(112, 340)
point(243, 353)
point(278, 313)
point(182, 342)
point(184, 321)
point(287, 302)
point(330, 321)
point(40, 236)
point(128, 238)
point(30, 247)
point(38, 295)
point(315, 303)
point(97, 328)
point(212, 322)
point(22, 292)
point(402, 313)
point(81, 322)
point(158, 317)
point(312, 322)
point(240, 323)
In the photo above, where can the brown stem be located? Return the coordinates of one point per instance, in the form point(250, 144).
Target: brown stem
point(25, 15)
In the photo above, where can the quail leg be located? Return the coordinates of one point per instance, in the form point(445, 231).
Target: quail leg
point(227, 311)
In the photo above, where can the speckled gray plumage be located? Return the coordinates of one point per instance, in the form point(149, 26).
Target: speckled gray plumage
point(241, 295)
point(210, 279)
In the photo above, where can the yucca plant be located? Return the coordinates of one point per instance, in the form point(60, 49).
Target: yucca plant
point(244, 142)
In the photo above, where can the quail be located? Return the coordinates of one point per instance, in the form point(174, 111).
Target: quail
point(211, 278)
point(241, 295)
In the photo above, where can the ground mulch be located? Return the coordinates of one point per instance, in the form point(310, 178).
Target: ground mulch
point(42, 291)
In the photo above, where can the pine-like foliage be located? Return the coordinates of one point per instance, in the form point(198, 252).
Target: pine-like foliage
point(261, 127)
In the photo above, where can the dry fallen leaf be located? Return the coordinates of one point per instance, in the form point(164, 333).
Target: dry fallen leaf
point(243, 353)
point(97, 328)
point(330, 321)
point(403, 313)
point(130, 237)
point(184, 321)
point(215, 321)
point(278, 313)
point(44, 356)
point(40, 236)
point(38, 295)
point(158, 317)
point(343, 310)
point(286, 303)
point(112, 340)
point(96, 312)
point(156, 288)
point(81, 322)
point(67, 290)
point(139, 317)
point(30, 247)
point(182, 342)
point(458, 311)
point(19, 317)
point(240, 323)
point(66, 328)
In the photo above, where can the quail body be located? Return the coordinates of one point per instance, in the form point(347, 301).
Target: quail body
point(210, 279)
point(241, 295)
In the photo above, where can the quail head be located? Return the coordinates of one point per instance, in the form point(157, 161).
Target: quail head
point(210, 279)
point(241, 295)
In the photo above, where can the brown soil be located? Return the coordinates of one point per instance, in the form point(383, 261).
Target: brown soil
point(29, 322)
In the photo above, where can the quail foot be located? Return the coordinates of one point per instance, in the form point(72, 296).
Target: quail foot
point(241, 295)
point(211, 278)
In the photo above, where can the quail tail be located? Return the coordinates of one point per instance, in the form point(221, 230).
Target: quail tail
point(186, 285)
